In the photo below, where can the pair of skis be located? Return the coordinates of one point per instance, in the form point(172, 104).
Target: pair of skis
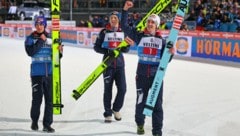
point(78, 92)
point(56, 64)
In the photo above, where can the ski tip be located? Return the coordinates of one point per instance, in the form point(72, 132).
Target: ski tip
point(57, 113)
point(147, 112)
point(57, 109)
point(76, 94)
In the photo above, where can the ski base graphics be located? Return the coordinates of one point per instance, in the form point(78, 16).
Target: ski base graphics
point(56, 64)
point(77, 93)
point(157, 83)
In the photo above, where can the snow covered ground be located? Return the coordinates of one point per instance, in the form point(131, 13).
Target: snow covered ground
point(200, 99)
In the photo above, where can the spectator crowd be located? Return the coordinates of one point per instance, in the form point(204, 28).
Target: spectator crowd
point(216, 15)
point(208, 15)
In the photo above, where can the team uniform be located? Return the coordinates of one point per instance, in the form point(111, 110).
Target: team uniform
point(150, 50)
point(108, 40)
point(40, 52)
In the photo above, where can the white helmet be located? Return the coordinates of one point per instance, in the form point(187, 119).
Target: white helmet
point(155, 18)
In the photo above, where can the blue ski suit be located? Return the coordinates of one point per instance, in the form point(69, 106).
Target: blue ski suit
point(41, 76)
point(150, 49)
point(115, 72)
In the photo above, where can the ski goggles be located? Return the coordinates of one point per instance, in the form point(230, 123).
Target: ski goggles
point(39, 24)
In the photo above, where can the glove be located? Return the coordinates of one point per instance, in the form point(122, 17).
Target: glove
point(48, 41)
point(111, 53)
point(170, 44)
point(124, 49)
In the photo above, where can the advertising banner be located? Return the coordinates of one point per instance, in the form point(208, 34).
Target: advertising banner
point(94, 36)
point(7, 32)
point(216, 48)
point(21, 33)
point(82, 38)
point(214, 45)
point(182, 45)
point(69, 36)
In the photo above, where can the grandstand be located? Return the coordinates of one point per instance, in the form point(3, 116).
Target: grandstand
point(203, 15)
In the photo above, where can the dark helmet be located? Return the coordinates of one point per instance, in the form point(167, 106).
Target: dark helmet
point(41, 20)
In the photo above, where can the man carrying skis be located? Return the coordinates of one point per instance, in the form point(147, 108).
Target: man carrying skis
point(108, 39)
point(38, 47)
point(150, 49)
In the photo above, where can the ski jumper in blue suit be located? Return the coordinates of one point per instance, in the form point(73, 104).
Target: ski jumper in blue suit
point(108, 39)
point(41, 75)
point(150, 49)
point(40, 52)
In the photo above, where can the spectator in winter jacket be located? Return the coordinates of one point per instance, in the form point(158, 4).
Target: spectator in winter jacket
point(150, 48)
point(108, 39)
point(38, 47)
